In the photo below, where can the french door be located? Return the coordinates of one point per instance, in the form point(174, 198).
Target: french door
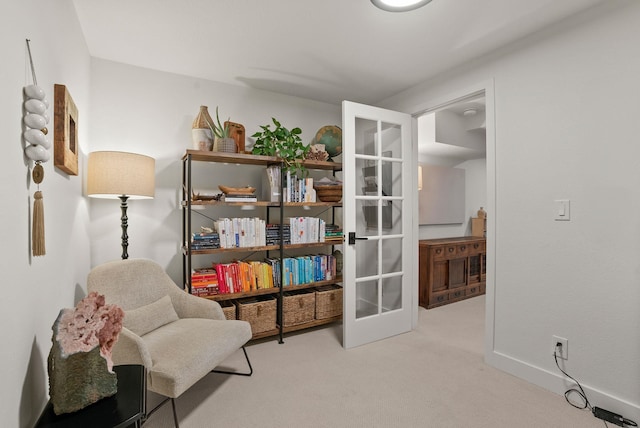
point(379, 197)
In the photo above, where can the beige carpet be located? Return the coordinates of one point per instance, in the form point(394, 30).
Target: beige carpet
point(433, 376)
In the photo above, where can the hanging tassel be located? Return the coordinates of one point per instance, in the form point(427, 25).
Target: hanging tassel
point(37, 232)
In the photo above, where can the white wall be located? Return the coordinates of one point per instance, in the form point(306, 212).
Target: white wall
point(566, 103)
point(151, 112)
point(36, 288)
point(475, 182)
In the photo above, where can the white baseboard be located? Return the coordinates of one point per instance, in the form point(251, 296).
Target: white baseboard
point(558, 383)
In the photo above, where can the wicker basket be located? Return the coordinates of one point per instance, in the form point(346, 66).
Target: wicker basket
point(328, 301)
point(260, 312)
point(229, 309)
point(298, 308)
point(328, 193)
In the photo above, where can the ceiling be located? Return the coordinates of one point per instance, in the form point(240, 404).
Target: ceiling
point(466, 142)
point(327, 50)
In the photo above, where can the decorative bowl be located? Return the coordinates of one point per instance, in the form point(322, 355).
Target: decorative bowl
point(329, 192)
point(237, 190)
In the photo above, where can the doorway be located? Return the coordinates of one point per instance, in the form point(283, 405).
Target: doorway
point(475, 106)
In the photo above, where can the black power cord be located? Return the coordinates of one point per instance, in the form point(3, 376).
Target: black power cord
point(602, 414)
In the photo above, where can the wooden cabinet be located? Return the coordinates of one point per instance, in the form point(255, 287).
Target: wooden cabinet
point(451, 269)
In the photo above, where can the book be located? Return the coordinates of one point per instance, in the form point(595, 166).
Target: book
point(240, 198)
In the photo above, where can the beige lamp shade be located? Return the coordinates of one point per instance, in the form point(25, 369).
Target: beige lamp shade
point(115, 174)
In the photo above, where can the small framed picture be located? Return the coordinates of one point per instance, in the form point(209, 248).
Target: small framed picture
point(65, 133)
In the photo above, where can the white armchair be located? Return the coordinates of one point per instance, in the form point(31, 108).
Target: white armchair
point(178, 337)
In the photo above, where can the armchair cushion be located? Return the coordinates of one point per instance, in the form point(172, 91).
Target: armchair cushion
point(147, 318)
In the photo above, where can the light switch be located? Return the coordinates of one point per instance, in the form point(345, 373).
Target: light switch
point(562, 209)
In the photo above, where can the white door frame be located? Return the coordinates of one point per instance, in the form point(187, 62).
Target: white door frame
point(486, 87)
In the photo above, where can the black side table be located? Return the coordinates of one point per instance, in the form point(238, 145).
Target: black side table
point(125, 408)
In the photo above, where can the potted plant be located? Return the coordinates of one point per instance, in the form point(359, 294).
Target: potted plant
point(283, 143)
point(223, 142)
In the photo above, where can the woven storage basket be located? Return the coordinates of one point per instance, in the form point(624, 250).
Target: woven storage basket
point(298, 308)
point(229, 309)
point(260, 312)
point(328, 301)
point(328, 193)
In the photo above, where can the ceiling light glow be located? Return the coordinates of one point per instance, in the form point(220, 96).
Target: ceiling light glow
point(399, 5)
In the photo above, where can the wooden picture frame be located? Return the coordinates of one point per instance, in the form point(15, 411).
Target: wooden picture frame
point(65, 133)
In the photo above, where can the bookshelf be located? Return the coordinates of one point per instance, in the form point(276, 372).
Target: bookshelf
point(273, 212)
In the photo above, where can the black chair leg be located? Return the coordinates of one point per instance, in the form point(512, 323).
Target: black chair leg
point(173, 405)
point(238, 373)
point(175, 415)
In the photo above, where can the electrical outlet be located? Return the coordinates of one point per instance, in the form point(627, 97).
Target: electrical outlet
point(563, 350)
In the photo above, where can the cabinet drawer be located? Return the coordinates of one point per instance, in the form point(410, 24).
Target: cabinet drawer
point(476, 247)
point(438, 252)
point(450, 251)
point(457, 294)
point(445, 252)
point(473, 290)
point(438, 299)
point(462, 250)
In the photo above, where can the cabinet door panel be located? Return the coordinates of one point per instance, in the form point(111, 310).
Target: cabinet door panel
point(440, 275)
point(457, 272)
point(474, 269)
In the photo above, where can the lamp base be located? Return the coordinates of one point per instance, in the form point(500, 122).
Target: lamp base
point(124, 223)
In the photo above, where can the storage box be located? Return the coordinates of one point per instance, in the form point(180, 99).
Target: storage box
point(229, 309)
point(260, 312)
point(328, 301)
point(298, 307)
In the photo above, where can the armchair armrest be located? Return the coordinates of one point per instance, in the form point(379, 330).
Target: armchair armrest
point(131, 349)
point(188, 306)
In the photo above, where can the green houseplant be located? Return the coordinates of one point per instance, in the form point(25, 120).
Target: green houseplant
point(281, 142)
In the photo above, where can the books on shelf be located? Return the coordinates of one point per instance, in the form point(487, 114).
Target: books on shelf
point(305, 230)
point(299, 189)
point(205, 241)
point(245, 276)
point(204, 282)
point(273, 234)
point(308, 269)
point(241, 232)
point(333, 232)
point(240, 197)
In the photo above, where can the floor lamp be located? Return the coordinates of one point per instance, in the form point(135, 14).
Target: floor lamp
point(120, 175)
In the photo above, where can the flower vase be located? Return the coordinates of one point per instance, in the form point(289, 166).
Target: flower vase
point(201, 133)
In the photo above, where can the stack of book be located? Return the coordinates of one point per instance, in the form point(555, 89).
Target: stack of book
point(241, 232)
point(204, 282)
point(245, 276)
point(332, 232)
point(305, 230)
point(240, 197)
point(273, 234)
point(205, 241)
point(299, 189)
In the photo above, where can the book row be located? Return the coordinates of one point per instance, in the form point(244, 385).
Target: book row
point(299, 189)
point(254, 232)
point(241, 232)
point(247, 276)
